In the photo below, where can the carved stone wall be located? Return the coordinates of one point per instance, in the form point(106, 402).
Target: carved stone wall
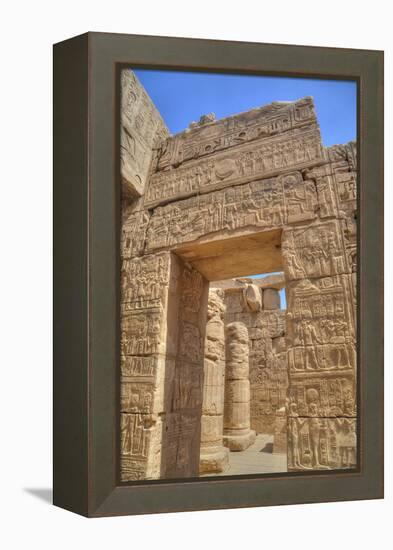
point(142, 129)
point(263, 172)
point(320, 267)
point(163, 305)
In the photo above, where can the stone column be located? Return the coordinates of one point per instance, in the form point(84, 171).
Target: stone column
point(214, 456)
point(237, 433)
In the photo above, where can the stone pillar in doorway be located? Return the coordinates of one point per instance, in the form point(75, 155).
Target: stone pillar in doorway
point(186, 325)
point(163, 308)
point(214, 456)
point(237, 433)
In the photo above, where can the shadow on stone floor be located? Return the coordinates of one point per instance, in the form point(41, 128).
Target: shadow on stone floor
point(268, 448)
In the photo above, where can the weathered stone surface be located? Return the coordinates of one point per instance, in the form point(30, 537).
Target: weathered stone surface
point(280, 443)
point(271, 299)
point(267, 355)
point(142, 128)
point(321, 443)
point(210, 136)
point(260, 205)
point(209, 163)
point(255, 192)
point(252, 297)
point(186, 325)
point(237, 433)
point(213, 454)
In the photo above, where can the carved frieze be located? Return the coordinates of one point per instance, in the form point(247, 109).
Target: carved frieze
point(142, 333)
point(262, 159)
point(210, 136)
point(322, 358)
point(321, 443)
point(328, 393)
point(314, 251)
point(251, 207)
point(144, 282)
point(320, 311)
point(140, 442)
point(133, 234)
point(143, 380)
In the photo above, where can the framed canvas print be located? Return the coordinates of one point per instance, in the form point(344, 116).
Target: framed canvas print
point(218, 274)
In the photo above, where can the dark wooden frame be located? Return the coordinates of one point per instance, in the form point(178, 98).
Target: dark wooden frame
point(86, 281)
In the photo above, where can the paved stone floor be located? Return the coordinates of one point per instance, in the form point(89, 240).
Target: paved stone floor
point(257, 459)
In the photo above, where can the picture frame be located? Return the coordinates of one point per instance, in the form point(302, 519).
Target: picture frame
point(86, 274)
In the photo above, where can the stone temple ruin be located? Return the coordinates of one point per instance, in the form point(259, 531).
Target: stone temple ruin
point(209, 361)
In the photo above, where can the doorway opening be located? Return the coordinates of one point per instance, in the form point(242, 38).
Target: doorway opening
point(245, 379)
point(257, 302)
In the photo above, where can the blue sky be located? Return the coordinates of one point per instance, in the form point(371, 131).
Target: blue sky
point(182, 97)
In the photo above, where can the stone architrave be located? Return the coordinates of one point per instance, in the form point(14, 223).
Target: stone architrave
point(237, 433)
point(214, 456)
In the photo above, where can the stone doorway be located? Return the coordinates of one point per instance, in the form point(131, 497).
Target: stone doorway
point(236, 400)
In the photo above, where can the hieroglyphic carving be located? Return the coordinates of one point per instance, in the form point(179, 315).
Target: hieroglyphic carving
point(320, 312)
point(269, 381)
point(142, 333)
point(321, 358)
point(343, 156)
point(327, 394)
point(306, 360)
point(321, 346)
point(181, 441)
point(249, 162)
point(213, 456)
point(141, 127)
point(346, 191)
point(133, 234)
point(321, 443)
point(140, 444)
point(142, 381)
point(327, 196)
point(314, 251)
point(255, 205)
point(300, 197)
point(144, 368)
point(210, 136)
point(144, 282)
point(259, 323)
